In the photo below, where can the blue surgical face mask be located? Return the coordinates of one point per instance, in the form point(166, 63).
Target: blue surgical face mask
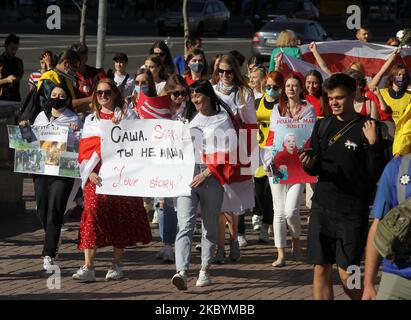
point(143, 89)
point(196, 67)
point(272, 93)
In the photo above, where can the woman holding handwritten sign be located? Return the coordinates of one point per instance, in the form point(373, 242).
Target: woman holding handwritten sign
point(107, 220)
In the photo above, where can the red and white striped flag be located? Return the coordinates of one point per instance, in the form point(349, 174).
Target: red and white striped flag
point(89, 152)
point(299, 67)
point(153, 107)
point(338, 55)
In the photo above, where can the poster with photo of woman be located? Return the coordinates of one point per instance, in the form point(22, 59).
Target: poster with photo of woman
point(290, 138)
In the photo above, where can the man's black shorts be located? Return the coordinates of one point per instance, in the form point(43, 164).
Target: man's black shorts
point(336, 237)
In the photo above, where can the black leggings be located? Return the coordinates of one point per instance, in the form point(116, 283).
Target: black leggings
point(51, 197)
point(263, 203)
point(263, 199)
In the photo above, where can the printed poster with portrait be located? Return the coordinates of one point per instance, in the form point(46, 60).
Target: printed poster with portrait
point(48, 150)
point(290, 137)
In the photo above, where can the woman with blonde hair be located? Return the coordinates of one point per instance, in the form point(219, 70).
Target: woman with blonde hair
point(107, 220)
point(287, 44)
point(233, 89)
point(256, 81)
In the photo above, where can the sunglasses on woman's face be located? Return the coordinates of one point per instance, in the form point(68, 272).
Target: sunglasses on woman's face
point(222, 71)
point(177, 94)
point(272, 87)
point(100, 93)
point(161, 54)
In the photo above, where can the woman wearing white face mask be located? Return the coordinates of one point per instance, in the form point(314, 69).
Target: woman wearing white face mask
point(196, 67)
point(232, 89)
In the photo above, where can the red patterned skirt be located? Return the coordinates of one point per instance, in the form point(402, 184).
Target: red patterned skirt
point(116, 221)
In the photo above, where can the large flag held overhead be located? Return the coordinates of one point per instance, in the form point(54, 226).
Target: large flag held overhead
point(338, 55)
point(300, 67)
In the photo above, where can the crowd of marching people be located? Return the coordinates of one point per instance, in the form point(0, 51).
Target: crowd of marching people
point(348, 151)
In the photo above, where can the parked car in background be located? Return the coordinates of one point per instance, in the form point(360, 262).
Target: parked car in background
point(301, 9)
point(204, 16)
point(265, 40)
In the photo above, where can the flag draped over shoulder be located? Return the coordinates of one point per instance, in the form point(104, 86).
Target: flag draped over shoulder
point(219, 148)
point(153, 107)
point(338, 55)
point(299, 67)
point(89, 153)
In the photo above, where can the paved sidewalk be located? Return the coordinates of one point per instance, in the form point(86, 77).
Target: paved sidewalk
point(252, 278)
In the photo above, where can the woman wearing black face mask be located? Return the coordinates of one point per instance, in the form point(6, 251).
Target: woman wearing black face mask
point(52, 192)
point(395, 94)
point(196, 67)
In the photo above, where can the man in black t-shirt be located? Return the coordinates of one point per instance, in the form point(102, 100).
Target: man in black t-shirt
point(348, 158)
point(12, 70)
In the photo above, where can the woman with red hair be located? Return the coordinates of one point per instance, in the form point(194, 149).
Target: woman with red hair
point(286, 197)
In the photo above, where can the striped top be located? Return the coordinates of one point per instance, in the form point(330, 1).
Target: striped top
point(34, 78)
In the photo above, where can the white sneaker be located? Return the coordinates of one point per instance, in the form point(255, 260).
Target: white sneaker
point(179, 280)
point(168, 254)
point(264, 237)
point(114, 273)
point(47, 262)
point(203, 279)
point(85, 274)
point(256, 222)
point(242, 241)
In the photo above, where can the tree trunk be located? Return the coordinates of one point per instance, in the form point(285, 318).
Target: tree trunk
point(186, 26)
point(83, 22)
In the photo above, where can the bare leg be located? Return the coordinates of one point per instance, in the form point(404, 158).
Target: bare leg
point(323, 282)
point(280, 258)
point(118, 256)
point(89, 255)
point(232, 224)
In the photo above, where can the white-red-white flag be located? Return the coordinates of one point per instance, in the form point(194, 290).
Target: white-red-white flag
point(299, 67)
point(338, 55)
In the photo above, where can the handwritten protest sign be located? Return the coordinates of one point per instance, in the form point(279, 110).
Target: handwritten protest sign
point(290, 136)
point(49, 150)
point(146, 158)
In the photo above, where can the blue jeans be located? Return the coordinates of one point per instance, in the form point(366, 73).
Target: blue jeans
point(167, 222)
point(210, 195)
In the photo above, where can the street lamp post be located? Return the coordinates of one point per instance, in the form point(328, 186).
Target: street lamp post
point(101, 32)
